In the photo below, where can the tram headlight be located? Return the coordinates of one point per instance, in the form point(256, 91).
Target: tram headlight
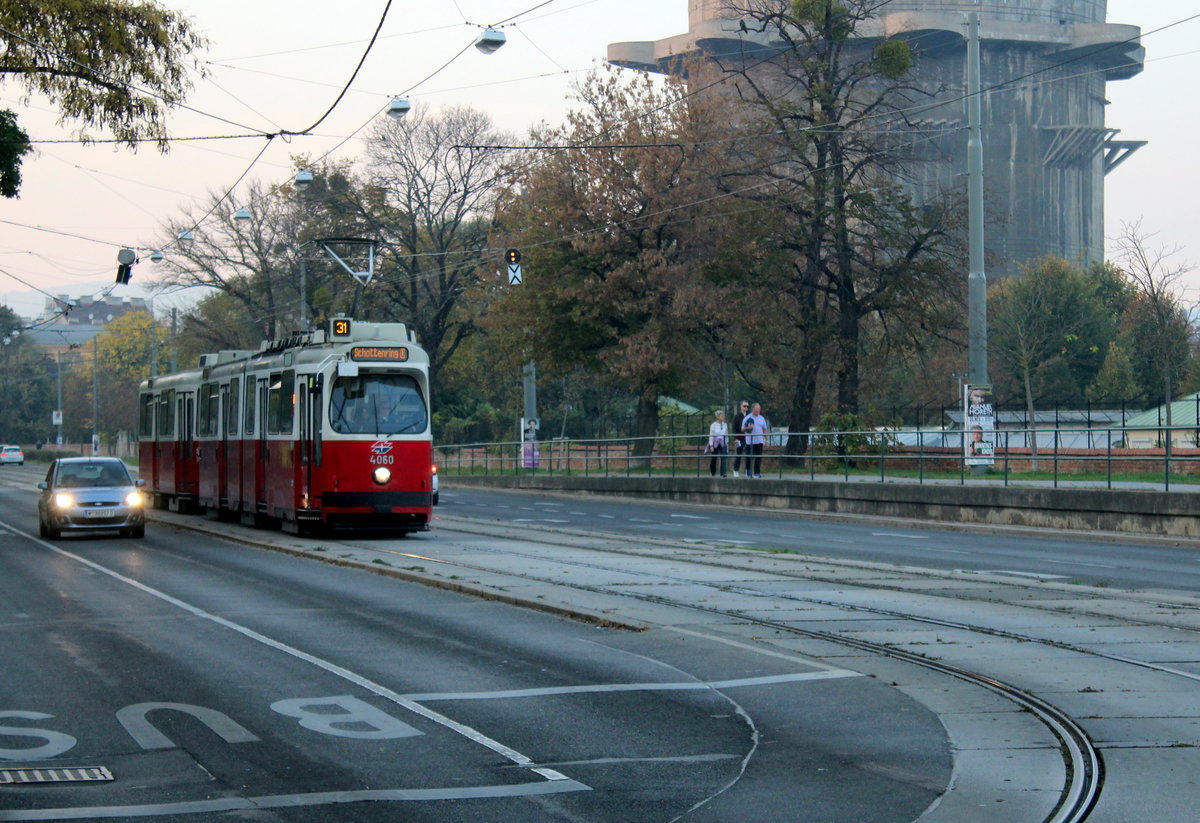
point(382, 475)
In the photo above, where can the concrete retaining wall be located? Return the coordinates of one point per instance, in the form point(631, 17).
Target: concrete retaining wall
point(1134, 511)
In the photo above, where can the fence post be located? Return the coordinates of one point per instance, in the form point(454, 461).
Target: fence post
point(1108, 458)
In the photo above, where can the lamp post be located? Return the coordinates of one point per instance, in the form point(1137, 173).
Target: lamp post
point(95, 397)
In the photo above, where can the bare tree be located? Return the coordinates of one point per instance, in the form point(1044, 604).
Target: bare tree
point(429, 196)
point(1165, 330)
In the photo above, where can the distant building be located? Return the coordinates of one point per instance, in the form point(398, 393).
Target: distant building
point(1047, 147)
point(62, 329)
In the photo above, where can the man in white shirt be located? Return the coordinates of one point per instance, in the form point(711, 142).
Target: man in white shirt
point(755, 426)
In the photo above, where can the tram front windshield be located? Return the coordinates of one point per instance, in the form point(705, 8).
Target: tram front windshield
point(378, 404)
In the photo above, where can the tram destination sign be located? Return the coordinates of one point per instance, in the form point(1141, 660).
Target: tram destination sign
point(392, 354)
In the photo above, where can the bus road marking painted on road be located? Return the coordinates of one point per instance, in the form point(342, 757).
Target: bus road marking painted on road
point(600, 688)
point(327, 666)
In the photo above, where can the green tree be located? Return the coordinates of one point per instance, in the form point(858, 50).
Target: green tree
point(821, 109)
point(14, 145)
point(109, 64)
point(602, 214)
point(1050, 320)
point(1117, 380)
point(26, 384)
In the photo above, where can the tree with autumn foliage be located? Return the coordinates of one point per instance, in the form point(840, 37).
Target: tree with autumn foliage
point(109, 64)
point(824, 98)
point(605, 212)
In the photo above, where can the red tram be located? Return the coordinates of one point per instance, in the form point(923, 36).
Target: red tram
point(329, 428)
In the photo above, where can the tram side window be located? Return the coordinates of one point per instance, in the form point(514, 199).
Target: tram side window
point(281, 401)
point(248, 406)
point(209, 400)
point(381, 404)
point(231, 405)
point(146, 409)
point(166, 415)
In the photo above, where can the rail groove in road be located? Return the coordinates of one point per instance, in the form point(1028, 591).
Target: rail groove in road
point(1083, 764)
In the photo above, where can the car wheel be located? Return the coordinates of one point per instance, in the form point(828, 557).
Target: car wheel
point(53, 533)
point(42, 529)
point(138, 531)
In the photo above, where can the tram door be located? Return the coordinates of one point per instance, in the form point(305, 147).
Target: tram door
point(186, 466)
point(309, 447)
point(223, 451)
point(233, 446)
point(261, 452)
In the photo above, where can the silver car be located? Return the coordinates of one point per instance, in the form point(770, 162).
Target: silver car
point(90, 494)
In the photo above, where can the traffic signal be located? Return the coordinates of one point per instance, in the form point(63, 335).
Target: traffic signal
point(125, 260)
point(512, 257)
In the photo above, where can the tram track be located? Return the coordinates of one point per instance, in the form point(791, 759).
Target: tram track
point(1082, 758)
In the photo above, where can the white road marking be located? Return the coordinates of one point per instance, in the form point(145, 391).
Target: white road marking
point(903, 536)
point(737, 644)
point(332, 668)
point(1025, 574)
point(1079, 563)
point(690, 685)
point(691, 517)
point(287, 801)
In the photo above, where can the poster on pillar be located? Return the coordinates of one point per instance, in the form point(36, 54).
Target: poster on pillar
point(979, 423)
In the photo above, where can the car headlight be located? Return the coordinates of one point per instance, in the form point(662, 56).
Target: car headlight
point(64, 501)
point(134, 499)
point(382, 475)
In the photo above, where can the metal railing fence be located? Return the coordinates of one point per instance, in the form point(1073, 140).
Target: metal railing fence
point(1161, 457)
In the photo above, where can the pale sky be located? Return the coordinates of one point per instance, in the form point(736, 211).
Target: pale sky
point(279, 64)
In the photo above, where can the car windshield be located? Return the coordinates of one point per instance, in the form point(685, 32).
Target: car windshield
point(380, 404)
point(77, 475)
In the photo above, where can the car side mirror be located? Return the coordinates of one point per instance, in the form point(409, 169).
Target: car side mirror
point(43, 485)
point(139, 482)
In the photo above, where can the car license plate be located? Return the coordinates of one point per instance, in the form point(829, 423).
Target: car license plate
point(99, 513)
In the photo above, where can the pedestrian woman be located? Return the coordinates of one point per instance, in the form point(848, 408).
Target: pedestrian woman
point(718, 444)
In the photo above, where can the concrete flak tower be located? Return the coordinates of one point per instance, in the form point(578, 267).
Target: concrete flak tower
point(1045, 65)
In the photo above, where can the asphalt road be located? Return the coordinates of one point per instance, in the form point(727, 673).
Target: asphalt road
point(1040, 554)
point(216, 681)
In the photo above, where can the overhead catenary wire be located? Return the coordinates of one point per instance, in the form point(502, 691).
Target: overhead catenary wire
point(936, 104)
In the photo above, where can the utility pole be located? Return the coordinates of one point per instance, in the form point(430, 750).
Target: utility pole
point(977, 365)
point(153, 344)
point(303, 290)
point(95, 397)
point(58, 371)
point(174, 331)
